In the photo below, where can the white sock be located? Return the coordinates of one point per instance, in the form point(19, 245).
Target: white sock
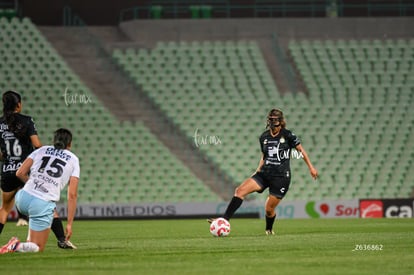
point(27, 247)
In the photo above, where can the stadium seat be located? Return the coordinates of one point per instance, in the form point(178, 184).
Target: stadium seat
point(209, 83)
point(109, 159)
point(359, 94)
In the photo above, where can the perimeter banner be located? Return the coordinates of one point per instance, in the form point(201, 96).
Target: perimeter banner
point(285, 210)
point(386, 208)
point(314, 209)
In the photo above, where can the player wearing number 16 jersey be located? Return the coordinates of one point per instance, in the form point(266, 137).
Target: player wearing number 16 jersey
point(18, 138)
point(46, 172)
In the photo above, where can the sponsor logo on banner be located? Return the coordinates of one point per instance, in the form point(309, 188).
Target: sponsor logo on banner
point(332, 209)
point(388, 208)
point(283, 210)
point(401, 208)
point(315, 211)
point(371, 209)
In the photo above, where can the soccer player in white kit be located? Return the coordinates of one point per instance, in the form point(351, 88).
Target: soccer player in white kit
point(46, 172)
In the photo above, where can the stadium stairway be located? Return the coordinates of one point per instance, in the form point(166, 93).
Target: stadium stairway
point(121, 162)
point(315, 119)
point(85, 52)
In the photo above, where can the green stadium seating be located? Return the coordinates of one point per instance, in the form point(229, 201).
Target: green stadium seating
point(350, 87)
point(120, 162)
point(212, 87)
point(355, 119)
point(361, 89)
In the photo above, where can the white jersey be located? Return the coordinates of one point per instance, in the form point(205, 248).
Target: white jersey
point(50, 172)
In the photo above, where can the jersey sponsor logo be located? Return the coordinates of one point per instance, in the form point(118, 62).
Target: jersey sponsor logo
point(11, 167)
point(4, 127)
point(276, 152)
point(39, 186)
point(280, 154)
point(46, 179)
point(58, 153)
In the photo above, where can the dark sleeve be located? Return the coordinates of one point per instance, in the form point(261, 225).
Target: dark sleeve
point(261, 138)
point(31, 127)
point(293, 140)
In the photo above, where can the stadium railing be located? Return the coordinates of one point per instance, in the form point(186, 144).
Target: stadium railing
point(265, 8)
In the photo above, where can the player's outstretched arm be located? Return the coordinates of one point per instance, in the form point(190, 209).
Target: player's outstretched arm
point(72, 201)
point(312, 169)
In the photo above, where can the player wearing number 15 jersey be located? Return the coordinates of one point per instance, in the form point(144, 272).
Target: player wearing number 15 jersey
point(18, 138)
point(46, 172)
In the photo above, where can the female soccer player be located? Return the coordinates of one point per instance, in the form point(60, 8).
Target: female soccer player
point(274, 168)
point(46, 172)
point(18, 138)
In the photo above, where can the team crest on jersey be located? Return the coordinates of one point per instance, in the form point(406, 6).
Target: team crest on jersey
point(282, 140)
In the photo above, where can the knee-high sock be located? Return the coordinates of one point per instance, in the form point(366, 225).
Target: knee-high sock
point(234, 204)
point(269, 222)
point(57, 228)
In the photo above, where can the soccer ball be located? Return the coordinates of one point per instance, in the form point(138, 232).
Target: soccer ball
point(220, 227)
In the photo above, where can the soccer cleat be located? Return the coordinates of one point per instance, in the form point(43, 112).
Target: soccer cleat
point(21, 222)
point(210, 220)
point(11, 246)
point(66, 245)
point(269, 232)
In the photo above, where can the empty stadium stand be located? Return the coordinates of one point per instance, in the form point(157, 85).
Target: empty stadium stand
point(357, 91)
point(354, 115)
point(362, 97)
point(121, 162)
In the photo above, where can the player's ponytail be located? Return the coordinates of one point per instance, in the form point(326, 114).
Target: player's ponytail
point(11, 101)
point(62, 138)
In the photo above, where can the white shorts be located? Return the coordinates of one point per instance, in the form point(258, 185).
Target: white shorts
point(40, 212)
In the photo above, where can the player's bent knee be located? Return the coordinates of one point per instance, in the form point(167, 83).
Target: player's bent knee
point(270, 212)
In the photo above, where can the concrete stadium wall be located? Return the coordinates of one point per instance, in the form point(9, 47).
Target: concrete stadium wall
point(150, 31)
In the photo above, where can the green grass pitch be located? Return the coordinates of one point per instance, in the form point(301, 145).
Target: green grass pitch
point(308, 246)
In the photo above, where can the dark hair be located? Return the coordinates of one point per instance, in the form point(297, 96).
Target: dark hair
point(62, 138)
point(11, 100)
point(276, 113)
